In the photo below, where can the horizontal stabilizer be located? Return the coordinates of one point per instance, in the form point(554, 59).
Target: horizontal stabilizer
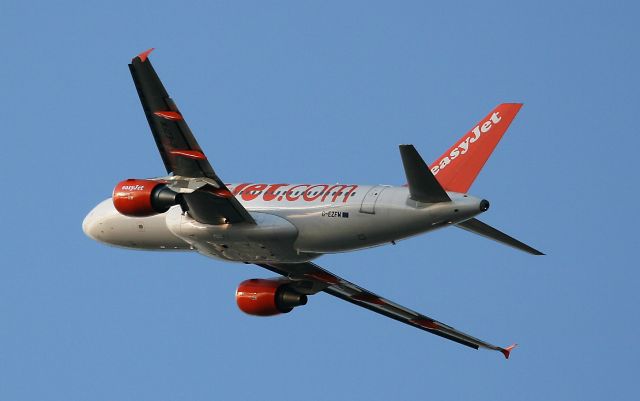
point(477, 227)
point(423, 186)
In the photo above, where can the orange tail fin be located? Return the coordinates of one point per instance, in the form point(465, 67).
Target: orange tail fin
point(459, 166)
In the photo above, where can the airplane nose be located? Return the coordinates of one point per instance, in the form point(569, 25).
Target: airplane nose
point(93, 223)
point(89, 226)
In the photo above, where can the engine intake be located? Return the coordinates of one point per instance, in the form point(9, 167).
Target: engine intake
point(141, 198)
point(267, 297)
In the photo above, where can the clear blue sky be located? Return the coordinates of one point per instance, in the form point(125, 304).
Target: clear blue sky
point(323, 91)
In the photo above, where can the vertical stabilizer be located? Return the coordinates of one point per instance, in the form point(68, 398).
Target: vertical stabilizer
point(459, 166)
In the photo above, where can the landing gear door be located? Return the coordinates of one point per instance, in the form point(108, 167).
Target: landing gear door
point(370, 199)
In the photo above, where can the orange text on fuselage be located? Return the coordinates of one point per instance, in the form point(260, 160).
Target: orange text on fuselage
point(292, 193)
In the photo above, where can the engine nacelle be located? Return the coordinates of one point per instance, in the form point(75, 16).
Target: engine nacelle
point(141, 198)
point(267, 297)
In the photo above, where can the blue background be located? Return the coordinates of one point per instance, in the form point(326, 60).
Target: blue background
point(323, 92)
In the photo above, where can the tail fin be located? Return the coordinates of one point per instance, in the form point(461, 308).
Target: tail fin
point(459, 166)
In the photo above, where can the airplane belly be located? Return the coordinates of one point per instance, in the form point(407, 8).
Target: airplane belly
point(270, 240)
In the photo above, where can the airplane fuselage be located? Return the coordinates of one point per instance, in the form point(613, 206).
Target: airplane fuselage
point(295, 223)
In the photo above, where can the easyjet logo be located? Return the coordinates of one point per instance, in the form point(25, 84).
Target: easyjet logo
point(292, 193)
point(132, 187)
point(464, 146)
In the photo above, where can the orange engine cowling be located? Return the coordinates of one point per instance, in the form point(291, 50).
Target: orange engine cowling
point(267, 297)
point(141, 198)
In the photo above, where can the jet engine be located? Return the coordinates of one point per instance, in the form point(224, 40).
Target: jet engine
point(267, 297)
point(141, 198)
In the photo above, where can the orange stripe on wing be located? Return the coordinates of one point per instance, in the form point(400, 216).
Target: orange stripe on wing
point(191, 154)
point(169, 115)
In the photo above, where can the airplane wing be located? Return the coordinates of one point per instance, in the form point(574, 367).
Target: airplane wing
point(209, 201)
point(308, 278)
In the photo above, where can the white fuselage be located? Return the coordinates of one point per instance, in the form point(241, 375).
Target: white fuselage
point(295, 223)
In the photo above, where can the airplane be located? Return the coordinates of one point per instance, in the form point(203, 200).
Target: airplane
point(284, 227)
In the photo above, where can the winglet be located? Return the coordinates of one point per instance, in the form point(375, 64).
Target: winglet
point(145, 54)
point(507, 351)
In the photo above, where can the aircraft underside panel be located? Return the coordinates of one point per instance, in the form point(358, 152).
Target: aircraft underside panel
point(271, 239)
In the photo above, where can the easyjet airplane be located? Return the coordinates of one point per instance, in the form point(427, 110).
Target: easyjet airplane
point(284, 227)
